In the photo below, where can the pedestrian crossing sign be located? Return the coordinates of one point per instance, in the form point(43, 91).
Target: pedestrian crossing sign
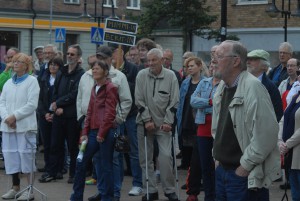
point(97, 35)
point(60, 35)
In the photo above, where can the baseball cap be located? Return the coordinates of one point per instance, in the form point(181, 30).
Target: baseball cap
point(104, 51)
point(260, 54)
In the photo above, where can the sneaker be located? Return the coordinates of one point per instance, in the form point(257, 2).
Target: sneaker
point(135, 191)
point(46, 178)
point(152, 196)
point(172, 196)
point(26, 196)
point(9, 195)
point(192, 198)
point(91, 182)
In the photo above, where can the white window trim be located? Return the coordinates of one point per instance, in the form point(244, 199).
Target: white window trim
point(135, 8)
point(109, 6)
point(72, 2)
point(239, 2)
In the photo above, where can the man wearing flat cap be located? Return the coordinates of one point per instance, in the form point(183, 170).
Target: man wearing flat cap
point(258, 64)
point(39, 62)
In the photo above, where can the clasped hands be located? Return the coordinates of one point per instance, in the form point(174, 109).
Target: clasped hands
point(11, 121)
point(150, 126)
point(283, 148)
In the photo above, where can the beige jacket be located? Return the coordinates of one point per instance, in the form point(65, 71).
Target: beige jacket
point(157, 95)
point(255, 127)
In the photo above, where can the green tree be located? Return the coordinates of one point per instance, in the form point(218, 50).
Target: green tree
point(190, 16)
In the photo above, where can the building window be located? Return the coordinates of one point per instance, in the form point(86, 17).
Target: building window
point(72, 1)
point(133, 4)
point(8, 39)
point(247, 2)
point(108, 3)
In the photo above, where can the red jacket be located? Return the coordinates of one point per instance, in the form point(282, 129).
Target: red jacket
point(101, 112)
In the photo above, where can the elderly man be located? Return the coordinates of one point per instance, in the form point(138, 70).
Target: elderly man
point(156, 96)
point(258, 64)
point(279, 73)
point(39, 62)
point(49, 53)
point(168, 59)
point(243, 124)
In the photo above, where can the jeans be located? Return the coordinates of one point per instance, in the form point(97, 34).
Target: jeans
point(295, 184)
point(205, 145)
point(105, 172)
point(131, 131)
point(231, 187)
point(117, 171)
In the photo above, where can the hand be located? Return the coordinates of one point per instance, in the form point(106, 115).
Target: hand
point(149, 125)
point(11, 121)
point(53, 106)
point(283, 148)
point(8, 66)
point(48, 117)
point(166, 127)
point(242, 172)
point(100, 139)
point(84, 137)
point(59, 111)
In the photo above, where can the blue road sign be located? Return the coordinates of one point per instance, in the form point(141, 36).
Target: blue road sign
point(97, 35)
point(60, 35)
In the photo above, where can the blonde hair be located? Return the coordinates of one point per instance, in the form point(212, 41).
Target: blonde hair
point(24, 58)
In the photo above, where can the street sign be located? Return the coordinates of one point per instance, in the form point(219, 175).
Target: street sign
point(119, 38)
point(60, 35)
point(97, 35)
point(128, 27)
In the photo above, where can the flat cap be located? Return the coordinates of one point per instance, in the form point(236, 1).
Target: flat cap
point(260, 54)
point(104, 51)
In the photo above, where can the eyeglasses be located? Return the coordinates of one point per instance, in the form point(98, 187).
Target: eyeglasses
point(19, 62)
point(70, 54)
point(281, 52)
point(218, 57)
point(48, 52)
point(291, 65)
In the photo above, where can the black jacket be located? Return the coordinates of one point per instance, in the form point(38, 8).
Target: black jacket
point(274, 95)
point(131, 70)
point(66, 89)
point(46, 94)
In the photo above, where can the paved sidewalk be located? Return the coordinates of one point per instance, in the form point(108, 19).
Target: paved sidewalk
point(60, 190)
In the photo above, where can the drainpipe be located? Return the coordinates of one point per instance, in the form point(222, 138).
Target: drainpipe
point(32, 28)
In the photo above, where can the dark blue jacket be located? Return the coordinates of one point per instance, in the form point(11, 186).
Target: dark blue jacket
point(275, 96)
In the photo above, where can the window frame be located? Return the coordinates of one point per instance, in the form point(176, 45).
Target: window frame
point(134, 8)
point(251, 2)
point(72, 2)
point(109, 5)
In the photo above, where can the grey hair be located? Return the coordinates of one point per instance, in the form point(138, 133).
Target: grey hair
point(53, 47)
point(265, 64)
point(238, 49)
point(157, 52)
point(286, 45)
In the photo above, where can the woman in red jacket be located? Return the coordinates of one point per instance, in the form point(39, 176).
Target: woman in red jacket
point(98, 131)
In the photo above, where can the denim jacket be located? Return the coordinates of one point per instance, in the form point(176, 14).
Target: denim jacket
point(183, 91)
point(200, 99)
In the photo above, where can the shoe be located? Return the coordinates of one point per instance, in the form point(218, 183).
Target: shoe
point(182, 167)
point(183, 187)
point(152, 196)
point(192, 198)
point(283, 186)
point(96, 197)
point(172, 196)
point(91, 182)
point(135, 191)
point(46, 178)
point(59, 176)
point(9, 195)
point(70, 180)
point(26, 196)
point(41, 169)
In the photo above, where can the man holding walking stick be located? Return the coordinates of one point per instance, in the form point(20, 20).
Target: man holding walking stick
point(156, 96)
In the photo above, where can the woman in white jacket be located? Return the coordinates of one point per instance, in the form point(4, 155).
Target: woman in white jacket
point(18, 102)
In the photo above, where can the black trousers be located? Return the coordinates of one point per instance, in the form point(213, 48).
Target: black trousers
point(63, 129)
point(46, 129)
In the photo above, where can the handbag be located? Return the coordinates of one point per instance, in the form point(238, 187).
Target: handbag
point(122, 144)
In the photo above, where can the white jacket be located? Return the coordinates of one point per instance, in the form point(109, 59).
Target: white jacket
point(20, 100)
point(84, 93)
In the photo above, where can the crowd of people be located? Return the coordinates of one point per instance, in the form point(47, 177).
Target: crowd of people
point(237, 120)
